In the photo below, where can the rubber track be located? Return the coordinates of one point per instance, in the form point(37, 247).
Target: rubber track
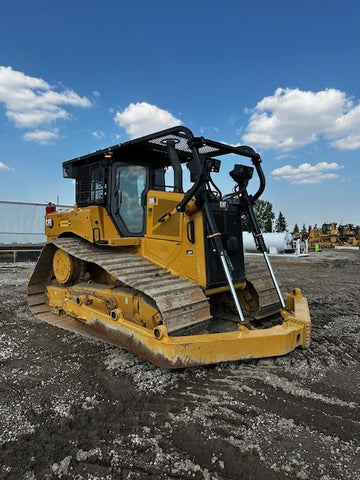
point(182, 304)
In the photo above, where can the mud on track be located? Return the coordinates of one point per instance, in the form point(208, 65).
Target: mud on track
point(77, 409)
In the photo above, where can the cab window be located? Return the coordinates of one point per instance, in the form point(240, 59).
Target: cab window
point(130, 181)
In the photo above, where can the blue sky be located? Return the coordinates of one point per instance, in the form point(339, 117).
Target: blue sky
point(282, 77)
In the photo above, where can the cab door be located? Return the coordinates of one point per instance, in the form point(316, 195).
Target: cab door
point(127, 203)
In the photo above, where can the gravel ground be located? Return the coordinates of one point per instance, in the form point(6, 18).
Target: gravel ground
point(74, 408)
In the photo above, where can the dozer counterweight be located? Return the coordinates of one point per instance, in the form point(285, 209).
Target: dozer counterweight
point(156, 268)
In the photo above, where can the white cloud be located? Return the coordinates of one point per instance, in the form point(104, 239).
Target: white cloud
point(44, 137)
point(12, 79)
point(99, 135)
point(5, 168)
point(283, 156)
point(31, 102)
point(292, 118)
point(35, 118)
point(307, 173)
point(351, 142)
point(209, 131)
point(143, 118)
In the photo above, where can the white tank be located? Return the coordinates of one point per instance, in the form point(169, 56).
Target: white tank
point(275, 242)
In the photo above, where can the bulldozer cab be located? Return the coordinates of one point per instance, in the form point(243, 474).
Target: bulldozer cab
point(120, 177)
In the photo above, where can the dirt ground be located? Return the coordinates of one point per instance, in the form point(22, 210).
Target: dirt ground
point(74, 408)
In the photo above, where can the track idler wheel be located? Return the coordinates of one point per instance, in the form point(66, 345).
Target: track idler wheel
point(66, 268)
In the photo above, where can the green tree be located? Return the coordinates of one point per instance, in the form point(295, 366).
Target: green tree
point(280, 224)
point(264, 214)
point(303, 230)
point(296, 228)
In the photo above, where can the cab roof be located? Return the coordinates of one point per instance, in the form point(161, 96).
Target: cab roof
point(153, 149)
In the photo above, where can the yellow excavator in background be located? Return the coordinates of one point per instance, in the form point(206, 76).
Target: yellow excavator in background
point(159, 270)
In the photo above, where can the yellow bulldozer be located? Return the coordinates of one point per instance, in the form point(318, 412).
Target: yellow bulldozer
point(349, 234)
point(327, 236)
point(142, 262)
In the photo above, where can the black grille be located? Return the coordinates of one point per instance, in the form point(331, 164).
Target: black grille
point(181, 144)
point(83, 185)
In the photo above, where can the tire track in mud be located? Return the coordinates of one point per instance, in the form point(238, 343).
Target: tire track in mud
point(235, 404)
point(290, 433)
point(267, 389)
